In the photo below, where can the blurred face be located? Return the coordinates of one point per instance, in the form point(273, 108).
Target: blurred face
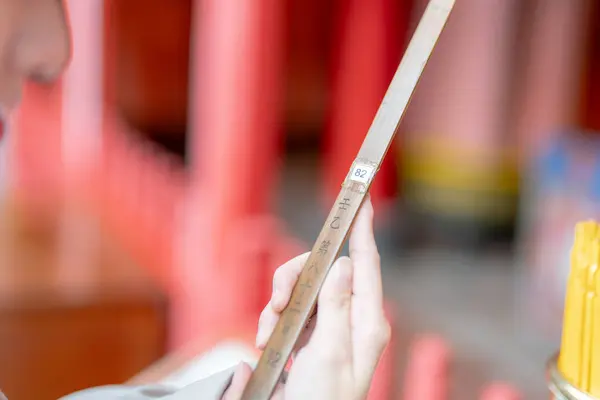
point(34, 45)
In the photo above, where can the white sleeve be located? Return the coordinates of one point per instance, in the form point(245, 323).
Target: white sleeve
point(210, 388)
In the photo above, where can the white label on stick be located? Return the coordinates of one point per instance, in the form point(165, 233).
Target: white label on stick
point(362, 173)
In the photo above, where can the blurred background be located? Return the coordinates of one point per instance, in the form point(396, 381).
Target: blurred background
point(194, 146)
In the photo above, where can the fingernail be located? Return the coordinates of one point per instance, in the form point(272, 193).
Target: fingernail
point(236, 374)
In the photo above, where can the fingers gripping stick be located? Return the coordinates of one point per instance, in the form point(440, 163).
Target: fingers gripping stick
point(353, 192)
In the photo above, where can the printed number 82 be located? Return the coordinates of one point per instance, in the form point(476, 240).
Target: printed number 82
point(360, 172)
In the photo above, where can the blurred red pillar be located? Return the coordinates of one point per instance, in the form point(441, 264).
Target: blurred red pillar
point(58, 127)
point(368, 51)
point(237, 60)
point(460, 104)
point(428, 369)
point(548, 99)
point(82, 93)
point(591, 91)
point(35, 146)
point(455, 161)
point(237, 57)
point(500, 391)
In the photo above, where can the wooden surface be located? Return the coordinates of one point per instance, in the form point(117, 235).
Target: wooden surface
point(71, 319)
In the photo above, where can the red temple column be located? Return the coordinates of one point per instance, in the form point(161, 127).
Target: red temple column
point(57, 128)
point(237, 64)
point(236, 107)
point(366, 58)
point(455, 161)
point(591, 92)
point(35, 148)
point(82, 115)
point(548, 98)
point(82, 91)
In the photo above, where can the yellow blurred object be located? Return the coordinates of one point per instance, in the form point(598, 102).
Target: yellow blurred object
point(446, 179)
point(579, 359)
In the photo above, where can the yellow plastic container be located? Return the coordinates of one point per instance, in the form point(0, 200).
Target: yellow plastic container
point(575, 372)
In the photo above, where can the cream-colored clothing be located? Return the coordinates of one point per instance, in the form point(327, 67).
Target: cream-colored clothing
point(197, 380)
point(210, 388)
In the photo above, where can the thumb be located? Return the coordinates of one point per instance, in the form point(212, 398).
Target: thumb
point(239, 381)
point(332, 334)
